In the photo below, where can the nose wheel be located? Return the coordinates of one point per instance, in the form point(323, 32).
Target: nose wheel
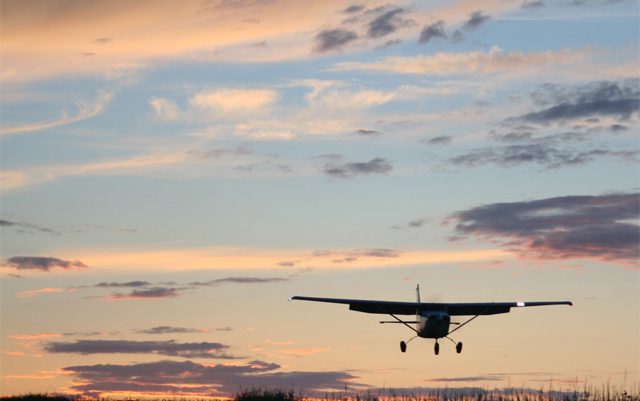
point(403, 346)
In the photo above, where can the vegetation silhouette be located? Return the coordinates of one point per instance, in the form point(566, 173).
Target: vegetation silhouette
point(445, 394)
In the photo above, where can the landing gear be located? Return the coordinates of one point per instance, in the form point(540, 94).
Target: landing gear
point(403, 345)
point(459, 348)
point(436, 348)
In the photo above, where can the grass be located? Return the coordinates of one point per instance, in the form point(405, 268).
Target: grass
point(262, 394)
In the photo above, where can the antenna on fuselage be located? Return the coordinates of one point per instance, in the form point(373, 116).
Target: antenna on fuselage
point(418, 293)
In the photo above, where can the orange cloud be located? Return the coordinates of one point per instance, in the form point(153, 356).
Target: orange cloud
point(304, 351)
point(33, 293)
point(213, 258)
point(14, 353)
point(40, 39)
point(36, 336)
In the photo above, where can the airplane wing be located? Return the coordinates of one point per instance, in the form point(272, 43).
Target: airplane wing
point(409, 308)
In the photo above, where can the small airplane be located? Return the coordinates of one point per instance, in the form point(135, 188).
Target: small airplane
point(432, 319)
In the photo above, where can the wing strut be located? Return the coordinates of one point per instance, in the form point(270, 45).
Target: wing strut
point(398, 319)
point(469, 321)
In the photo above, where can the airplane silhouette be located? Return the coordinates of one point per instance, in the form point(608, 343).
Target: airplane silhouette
point(432, 319)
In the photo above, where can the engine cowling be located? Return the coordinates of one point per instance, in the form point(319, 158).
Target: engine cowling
point(434, 325)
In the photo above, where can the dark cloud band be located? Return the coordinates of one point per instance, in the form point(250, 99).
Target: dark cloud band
point(600, 227)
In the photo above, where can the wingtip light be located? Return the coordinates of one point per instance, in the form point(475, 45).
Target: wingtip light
point(520, 303)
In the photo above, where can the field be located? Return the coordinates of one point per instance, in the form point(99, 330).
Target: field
point(445, 394)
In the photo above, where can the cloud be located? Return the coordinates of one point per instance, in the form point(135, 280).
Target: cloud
point(245, 259)
point(42, 263)
point(85, 110)
point(349, 100)
point(234, 101)
point(302, 352)
point(168, 330)
point(467, 379)
point(13, 179)
point(147, 293)
point(40, 291)
point(368, 132)
point(619, 100)
point(350, 257)
point(333, 39)
point(28, 227)
point(169, 348)
point(37, 336)
point(221, 152)
point(240, 280)
point(417, 223)
point(386, 23)
point(546, 154)
point(42, 41)
point(593, 227)
point(476, 19)
point(377, 165)
point(440, 140)
point(532, 4)
point(165, 109)
point(112, 284)
point(189, 378)
point(433, 31)
point(494, 61)
point(354, 9)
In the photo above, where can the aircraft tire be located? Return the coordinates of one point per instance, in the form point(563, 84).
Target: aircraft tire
point(403, 346)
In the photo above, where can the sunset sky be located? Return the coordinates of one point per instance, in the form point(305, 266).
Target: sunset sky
point(174, 171)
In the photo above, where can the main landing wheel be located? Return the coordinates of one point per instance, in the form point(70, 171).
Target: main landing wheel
point(403, 346)
point(436, 348)
point(459, 348)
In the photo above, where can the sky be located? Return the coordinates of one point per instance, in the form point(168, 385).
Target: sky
point(173, 172)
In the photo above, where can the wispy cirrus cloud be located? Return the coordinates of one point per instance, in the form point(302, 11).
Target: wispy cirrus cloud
point(593, 227)
point(85, 110)
point(477, 62)
point(28, 228)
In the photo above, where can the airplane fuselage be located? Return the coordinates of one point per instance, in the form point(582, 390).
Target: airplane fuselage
point(433, 324)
